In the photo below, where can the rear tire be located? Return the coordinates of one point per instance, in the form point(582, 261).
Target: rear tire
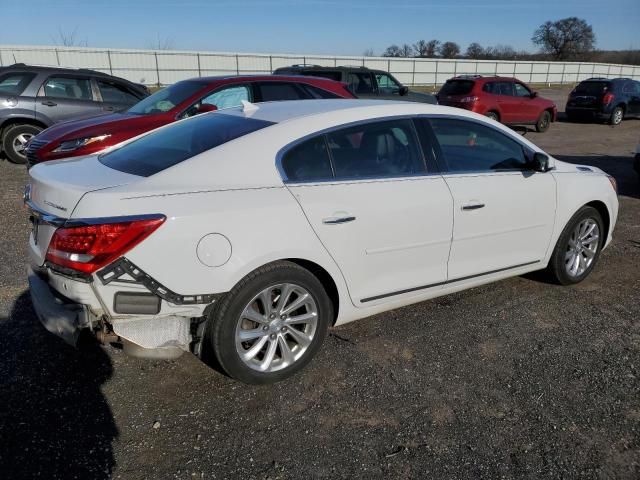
point(256, 336)
point(15, 141)
point(578, 248)
point(493, 116)
point(542, 125)
point(616, 116)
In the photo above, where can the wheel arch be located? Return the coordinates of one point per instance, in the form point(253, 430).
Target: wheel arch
point(10, 122)
point(602, 209)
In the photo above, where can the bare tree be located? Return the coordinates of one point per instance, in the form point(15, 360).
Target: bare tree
point(392, 51)
point(565, 39)
point(421, 47)
point(432, 48)
point(68, 39)
point(162, 43)
point(368, 53)
point(449, 50)
point(406, 50)
point(475, 51)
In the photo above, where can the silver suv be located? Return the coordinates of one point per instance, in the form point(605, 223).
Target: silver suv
point(33, 98)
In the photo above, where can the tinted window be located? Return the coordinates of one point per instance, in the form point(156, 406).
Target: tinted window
point(308, 161)
point(324, 74)
point(116, 93)
point(382, 149)
point(387, 85)
point(591, 88)
point(167, 98)
point(521, 90)
point(632, 87)
point(68, 87)
point(457, 87)
point(15, 83)
point(169, 146)
point(360, 83)
point(228, 97)
point(470, 146)
point(499, 88)
point(315, 92)
point(275, 91)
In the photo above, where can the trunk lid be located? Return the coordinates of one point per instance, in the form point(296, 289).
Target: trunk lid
point(54, 190)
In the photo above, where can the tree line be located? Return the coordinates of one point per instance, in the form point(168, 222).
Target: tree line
point(569, 39)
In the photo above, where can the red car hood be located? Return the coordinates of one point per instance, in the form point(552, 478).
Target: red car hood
point(102, 124)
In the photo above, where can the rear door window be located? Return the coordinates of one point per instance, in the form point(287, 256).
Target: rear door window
point(361, 83)
point(71, 88)
point(15, 83)
point(457, 87)
point(276, 91)
point(472, 147)
point(380, 149)
point(178, 142)
point(113, 92)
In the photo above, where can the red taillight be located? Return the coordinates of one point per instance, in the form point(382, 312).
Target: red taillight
point(87, 248)
point(608, 98)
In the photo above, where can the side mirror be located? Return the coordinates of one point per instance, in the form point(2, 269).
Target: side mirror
point(534, 94)
point(206, 107)
point(403, 91)
point(542, 162)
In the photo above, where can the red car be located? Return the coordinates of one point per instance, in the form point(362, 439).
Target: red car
point(505, 99)
point(180, 100)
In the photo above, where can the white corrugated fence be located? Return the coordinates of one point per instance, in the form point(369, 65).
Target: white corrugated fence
point(164, 67)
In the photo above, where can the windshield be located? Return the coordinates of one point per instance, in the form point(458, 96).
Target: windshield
point(592, 88)
point(167, 98)
point(179, 141)
point(456, 87)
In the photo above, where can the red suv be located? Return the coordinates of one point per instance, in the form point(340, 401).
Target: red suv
point(180, 100)
point(505, 99)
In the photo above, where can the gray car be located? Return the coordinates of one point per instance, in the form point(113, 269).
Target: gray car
point(33, 98)
point(362, 81)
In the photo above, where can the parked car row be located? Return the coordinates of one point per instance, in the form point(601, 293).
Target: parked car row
point(241, 235)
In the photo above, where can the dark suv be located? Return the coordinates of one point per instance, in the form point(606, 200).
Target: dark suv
point(33, 98)
point(363, 82)
point(604, 99)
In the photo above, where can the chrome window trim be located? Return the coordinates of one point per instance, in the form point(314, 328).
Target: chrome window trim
point(444, 172)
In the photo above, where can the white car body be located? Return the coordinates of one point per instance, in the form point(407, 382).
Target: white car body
point(229, 211)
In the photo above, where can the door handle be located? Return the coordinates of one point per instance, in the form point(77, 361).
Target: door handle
point(49, 103)
point(337, 220)
point(108, 109)
point(472, 206)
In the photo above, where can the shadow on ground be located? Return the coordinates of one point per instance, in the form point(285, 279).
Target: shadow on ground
point(54, 420)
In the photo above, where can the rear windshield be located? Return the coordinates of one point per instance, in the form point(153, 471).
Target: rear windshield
point(178, 142)
point(457, 87)
point(167, 98)
point(592, 88)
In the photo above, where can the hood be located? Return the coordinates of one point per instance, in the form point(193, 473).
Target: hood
point(566, 167)
point(102, 124)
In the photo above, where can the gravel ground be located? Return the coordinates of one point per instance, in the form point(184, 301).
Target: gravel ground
point(519, 379)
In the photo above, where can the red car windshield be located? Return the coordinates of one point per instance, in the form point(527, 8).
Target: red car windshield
point(167, 98)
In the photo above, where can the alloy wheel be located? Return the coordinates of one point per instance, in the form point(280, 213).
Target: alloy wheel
point(582, 247)
point(20, 143)
point(276, 327)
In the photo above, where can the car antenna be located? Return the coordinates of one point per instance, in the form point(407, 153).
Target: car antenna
point(249, 107)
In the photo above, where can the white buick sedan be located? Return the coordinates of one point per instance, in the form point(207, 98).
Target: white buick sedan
point(248, 232)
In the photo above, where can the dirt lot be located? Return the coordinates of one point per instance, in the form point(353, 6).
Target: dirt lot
point(520, 379)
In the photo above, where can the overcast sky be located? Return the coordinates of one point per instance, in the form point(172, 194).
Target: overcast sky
point(307, 26)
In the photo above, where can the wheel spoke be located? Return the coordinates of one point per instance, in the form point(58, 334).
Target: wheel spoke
point(251, 334)
point(255, 348)
point(285, 351)
point(268, 357)
point(296, 304)
point(303, 318)
point(589, 253)
point(588, 231)
point(251, 314)
point(590, 240)
point(300, 338)
point(285, 293)
point(576, 264)
point(267, 302)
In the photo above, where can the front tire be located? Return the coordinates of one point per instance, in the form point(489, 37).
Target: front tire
point(270, 325)
point(542, 125)
point(15, 141)
point(578, 248)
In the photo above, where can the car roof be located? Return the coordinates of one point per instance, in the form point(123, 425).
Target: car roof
point(480, 78)
point(258, 78)
point(281, 111)
point(48, 68)
point(337, 68)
